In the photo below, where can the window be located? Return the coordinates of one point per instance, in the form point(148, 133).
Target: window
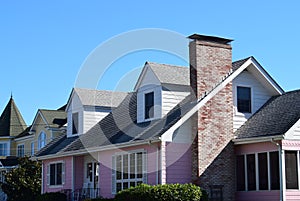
point(55, 174)
point(274, 170)
point(240, 173)
point(251, 172)
point(291, 170)
point(263, 171)
point(75, 123)
point(41, 140)
point(244, 99)
point(258, 171)
point(3, 149)
point(149, 105)
point(128, 170)
point(32, 148)
point(20, 150)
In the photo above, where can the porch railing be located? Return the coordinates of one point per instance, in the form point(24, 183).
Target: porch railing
point(81, 194)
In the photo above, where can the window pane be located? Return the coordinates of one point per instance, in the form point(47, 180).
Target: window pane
point(251, 172)
point(132, 184)
point(119, 166)
point(58, 174)
point(132, 166)
point(125, 185)
point(244, 99)
point(119, 187)
point(139, 160)
point(125, 166)
point(274, 170)
point(291, 170)
point(149, 103)
point(74, 123)
point(240, 173)
point(263, 171)
point(52, 174)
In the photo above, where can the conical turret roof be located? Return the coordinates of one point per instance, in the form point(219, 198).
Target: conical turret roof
point(11, 120)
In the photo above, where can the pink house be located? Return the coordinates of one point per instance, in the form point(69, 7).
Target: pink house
point(226, 126)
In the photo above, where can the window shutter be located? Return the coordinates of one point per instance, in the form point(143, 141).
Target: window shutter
point(113, 177)
point(63, 173)
point(145, 168)
point(48, 174)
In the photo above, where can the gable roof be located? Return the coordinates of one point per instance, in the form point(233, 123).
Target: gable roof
point(11, 120)
point(275, 118)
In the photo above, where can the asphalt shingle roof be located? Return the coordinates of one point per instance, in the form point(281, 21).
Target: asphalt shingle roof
point(121, 124)
point(92, 97)
point(11, 120)
point(276, 117)
point(50, 115)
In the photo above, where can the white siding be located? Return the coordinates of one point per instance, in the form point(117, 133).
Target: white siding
point(184, 133)
point(92, 117)
point(148, 78)
point(75, 106)
point(260, 95)
point(170, 99)
point(141, 101)
point(294, 132)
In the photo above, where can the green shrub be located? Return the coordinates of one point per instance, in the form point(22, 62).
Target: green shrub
point(52, 197)
point(100, 199)
point(167, 192)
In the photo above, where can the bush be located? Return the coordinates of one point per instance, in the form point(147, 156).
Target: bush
point(100, 199)
point(52, 197)
point(167, 192)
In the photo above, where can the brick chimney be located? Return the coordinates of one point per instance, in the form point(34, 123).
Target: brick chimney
point(213, 153)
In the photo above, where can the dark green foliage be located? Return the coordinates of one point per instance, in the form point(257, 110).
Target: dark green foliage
point(100, 199)
point(167, 192)
point(51, 197)
point(24, 182)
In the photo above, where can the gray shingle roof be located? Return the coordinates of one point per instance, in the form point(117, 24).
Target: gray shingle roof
point(169, 74)
point(50, 115)
point(92, 97)
point(11, 120)
point(121, 124)
point(276, 117)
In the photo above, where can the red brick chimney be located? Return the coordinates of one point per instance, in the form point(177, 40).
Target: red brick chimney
point(213, 153)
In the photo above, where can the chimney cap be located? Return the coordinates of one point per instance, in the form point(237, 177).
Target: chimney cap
point(210, 38)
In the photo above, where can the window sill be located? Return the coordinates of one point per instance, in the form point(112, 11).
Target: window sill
point(55, 186)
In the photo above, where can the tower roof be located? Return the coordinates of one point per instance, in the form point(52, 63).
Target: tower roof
point(11, 120)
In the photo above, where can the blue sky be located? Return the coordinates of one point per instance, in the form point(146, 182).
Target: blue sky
point(44, 43)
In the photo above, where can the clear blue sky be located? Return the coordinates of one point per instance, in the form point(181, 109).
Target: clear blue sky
point(44, 43)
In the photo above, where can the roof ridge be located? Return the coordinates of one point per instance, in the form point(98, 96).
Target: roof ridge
point(170, 65)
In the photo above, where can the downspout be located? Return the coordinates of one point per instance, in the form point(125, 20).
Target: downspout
point(282, 189)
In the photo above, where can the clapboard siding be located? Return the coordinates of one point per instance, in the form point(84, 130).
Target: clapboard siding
point(170, 99)
point(91, 118)
point(260, 95)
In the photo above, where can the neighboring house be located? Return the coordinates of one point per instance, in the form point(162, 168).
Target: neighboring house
point(226, 126)
point(46, 125)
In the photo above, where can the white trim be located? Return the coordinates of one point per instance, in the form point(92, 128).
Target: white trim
point(256, 171)
point(23, 138)
point(269, 171)
point(257, 139)
point(62, 162)
point(35, 119)
point(236, 100)
point(21, 145)
point(282, 155)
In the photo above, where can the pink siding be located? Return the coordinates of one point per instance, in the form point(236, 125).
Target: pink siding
point(258, 196)
point(254, 148)
point(68, 174)
point(292, 195)
point(105, 157)
point(79, 172)
point(179, 163)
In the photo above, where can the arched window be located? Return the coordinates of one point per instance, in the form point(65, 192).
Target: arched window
point(41, 140)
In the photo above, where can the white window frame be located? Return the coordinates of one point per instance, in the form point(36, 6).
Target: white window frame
point(42, 142)
point(62, 174)
point(21, 150)
point(143, 179)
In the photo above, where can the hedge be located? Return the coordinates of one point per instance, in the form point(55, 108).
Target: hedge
point(51, 197)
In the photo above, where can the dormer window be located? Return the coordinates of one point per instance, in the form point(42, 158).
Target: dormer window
point(149, 105)
point(244, 99)
point(75, 123)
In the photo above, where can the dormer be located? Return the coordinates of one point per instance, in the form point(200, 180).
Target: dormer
point(159, 88)
point(86, 107)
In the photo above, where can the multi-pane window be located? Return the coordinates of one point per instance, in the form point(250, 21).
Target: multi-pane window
point(75, 123)
point(261, 166)
point(41, 140)
point(149, 105)
point(244, 99)
point(55, 174)
point(20, 150)
point(128, 170)
point(291, 170)
point(3, 149)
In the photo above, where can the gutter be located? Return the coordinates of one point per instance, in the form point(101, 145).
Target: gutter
point(257, 139)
